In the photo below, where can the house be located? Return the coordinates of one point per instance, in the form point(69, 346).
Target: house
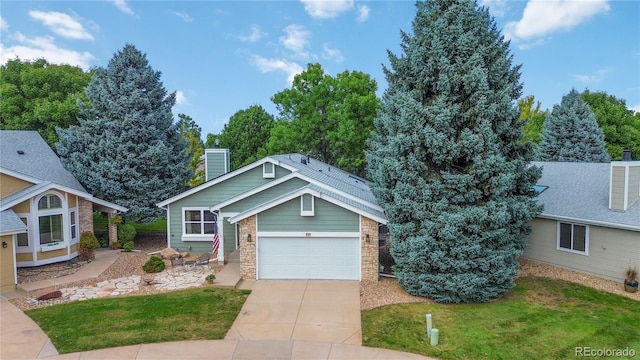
point(43, 208)
point(288, 216)
point(591, 219)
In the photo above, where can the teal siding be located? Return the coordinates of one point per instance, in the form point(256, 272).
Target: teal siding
point(229, 234)
point(266, 195)
point(328, 218)
point(217, 163)
point(211, 196)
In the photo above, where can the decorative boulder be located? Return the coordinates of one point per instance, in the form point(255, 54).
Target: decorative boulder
point(169, 254)
point(184, 254)
point(48, 294)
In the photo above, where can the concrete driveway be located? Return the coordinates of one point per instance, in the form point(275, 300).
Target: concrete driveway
point(301, 310)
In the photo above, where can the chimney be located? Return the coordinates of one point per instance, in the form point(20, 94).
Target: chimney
point(624, 188)
point(216, 162)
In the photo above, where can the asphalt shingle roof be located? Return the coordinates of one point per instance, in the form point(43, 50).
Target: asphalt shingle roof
point(581, 191)
point(37, 161)
point(10, 222)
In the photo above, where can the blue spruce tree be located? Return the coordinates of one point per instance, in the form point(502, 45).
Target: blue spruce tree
point(126, 148)
point(571, 133)
point(445, 159)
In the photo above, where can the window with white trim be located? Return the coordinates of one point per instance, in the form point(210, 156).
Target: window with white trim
point(573, 238)
point(268, 170)
point(73, 226)
point(50, 221)
point(23, 239)
point(199, 222)
point(307, 205)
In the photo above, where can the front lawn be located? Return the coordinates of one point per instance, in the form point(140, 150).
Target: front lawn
point(539, 319)
point(194, 314)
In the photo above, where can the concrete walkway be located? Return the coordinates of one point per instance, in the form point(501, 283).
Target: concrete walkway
point(21, 338)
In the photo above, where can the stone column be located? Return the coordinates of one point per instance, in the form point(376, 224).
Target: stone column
point(85, 214)
point(113, 228)
point(370, 261)
point(247, 249)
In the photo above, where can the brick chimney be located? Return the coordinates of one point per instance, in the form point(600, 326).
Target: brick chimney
point(624, 189)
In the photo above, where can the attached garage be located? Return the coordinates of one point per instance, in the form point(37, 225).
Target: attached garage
point(335, 258)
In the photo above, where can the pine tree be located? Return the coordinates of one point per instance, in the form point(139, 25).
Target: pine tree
point(126, 148)
point(571, 133)
point(446, 162)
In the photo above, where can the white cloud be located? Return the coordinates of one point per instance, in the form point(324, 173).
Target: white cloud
point(497, 8)
point(62, 24)
point(43, 47)
point(296, 39)
point(363, 13)
point(182, 15)
point(332, 54)
point(181, 99)
point(291, 69)
point(255, 35)
point(543, 17)
point(635, 109)
point(4, 26)
point(592, 78)
point(123, 6)
point(326, 9)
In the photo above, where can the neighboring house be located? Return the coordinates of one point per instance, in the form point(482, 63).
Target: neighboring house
point(289, 216)
point(43, 208)
point(591, 219)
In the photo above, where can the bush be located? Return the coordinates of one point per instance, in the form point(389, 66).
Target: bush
point(126, 233)
point(115, 245)
point(128, 246)
point(385, 258)
point(88, 244)
point(153, 265)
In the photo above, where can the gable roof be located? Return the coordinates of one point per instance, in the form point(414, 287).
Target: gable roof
point(315, 172)
point(25, 155)
point(37, 162)
point(10, 223)
point(580, 192)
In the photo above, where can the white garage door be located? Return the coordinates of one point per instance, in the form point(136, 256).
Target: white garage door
point(309, 258)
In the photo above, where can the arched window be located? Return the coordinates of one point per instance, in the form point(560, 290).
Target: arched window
point(50, 223)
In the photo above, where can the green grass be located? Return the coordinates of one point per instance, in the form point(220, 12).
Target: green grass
point(194, 314)
point(539, 319)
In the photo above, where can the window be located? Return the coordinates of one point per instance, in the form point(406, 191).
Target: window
point(49, 202)
point(23, 239)
point(74, 226)
point(199, 222)
point(306, 205)
point(268, 170)
point(573, 238)
point(50, 229)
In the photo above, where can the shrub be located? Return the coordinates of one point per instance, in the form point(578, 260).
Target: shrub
point(128, 246)
point(88, 244)
point(385, 258)
point(126, 233)
point(115, 245)
point(153, 265)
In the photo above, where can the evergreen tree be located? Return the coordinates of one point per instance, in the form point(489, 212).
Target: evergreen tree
point(126, 148)
point(446, 161)
point(571, 133)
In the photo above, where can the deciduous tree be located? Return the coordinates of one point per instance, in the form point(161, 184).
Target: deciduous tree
point(192, 134)
point(446, 161)
point(37, 95)
point(127, 148)
point(246, 135)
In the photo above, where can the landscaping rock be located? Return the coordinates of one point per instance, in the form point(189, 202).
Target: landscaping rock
point(184, 254)
point(48, 294)
point(169, 254)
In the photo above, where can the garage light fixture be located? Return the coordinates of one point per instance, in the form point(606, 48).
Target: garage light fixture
point(248, 237)
point(367, 238)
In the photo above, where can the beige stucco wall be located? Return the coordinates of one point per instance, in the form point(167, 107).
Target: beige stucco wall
point(611, 251)
point(7, 266)
point(11, 185)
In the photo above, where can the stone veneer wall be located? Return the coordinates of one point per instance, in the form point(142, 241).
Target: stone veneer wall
point(85, 214)
point(247, 249)
point(370, 262)
point(113, 229)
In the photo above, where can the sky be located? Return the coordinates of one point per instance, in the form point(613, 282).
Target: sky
point(221, 57)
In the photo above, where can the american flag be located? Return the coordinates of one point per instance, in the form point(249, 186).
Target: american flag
point(216, 239)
